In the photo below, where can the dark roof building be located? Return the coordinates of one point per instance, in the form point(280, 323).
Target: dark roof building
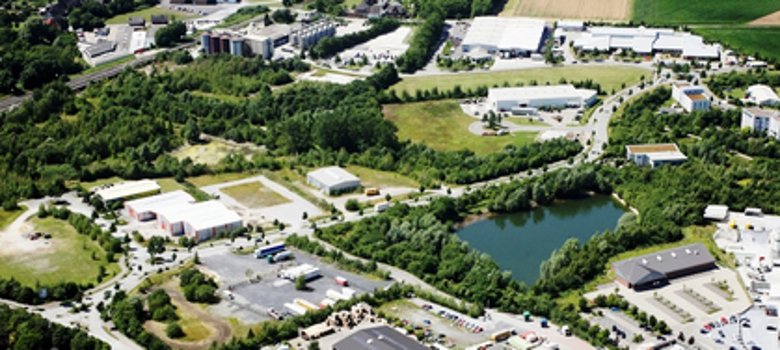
point(136, 21)
point(656, 269)
point(378, 338)
point(159, 19)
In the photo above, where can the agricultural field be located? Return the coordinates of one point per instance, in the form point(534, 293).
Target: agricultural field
point(254, 195)
point(764, 41)
point(442, 125)
point(772, 19)
point(66, 257)
point(611, 10)
point(147, 15)
point(377, 178)
point(701, 11)
point(609, 77)
point(213, 152)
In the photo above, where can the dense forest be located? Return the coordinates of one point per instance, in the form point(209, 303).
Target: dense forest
point(22, 330)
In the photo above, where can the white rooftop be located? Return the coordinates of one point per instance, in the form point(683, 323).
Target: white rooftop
point(570, 24)
point(645, 40)
point(125, 189)
point(666, 156)
point(716, 212)
point(505, 33)
point(161, 202)
point(538, 92)
point(332, 175)
point(762, 94)
point(201, 215)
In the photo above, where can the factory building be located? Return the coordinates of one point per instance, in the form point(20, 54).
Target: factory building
point(555, 96)
point(646, 41)
point(656, 269)
point(511, 36)
point(690, 97)
point(145, 209)
point(333, 180)
point(762, 95)
point(655, 155)
point(305, 36)
point(126, 190)
point(199, 221)
point(760, 120)
point(254, 40)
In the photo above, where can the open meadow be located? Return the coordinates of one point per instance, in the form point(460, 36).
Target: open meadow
point(254, 195)
point(670, 12)
point(147, 15)
point(442, 125)
point(66, 257)
point(763, 41)
point(610, 77)
point(611, 10)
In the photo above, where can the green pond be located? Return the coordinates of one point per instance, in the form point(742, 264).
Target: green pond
point(520, 242)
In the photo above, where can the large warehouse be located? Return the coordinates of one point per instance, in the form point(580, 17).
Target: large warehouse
point(333, 180)
point(655, 155)
point(656, 269)
point(557, 96)
point(126, 190)
point(515, 36)
point(147, 208)
point(645, 41)
point(200, 221)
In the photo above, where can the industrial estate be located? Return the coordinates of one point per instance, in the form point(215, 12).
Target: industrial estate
point(390, 175)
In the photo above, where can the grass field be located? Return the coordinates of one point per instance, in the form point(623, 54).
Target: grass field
point(610, 77)
point(212, 179)
point(67, 258)
point(584, 9)
point(764, 41)
point(701, 11)
point(377, 178)
point(442, 125)
point(147, 15)
point(213, 152)
point(7, 217)
point(254, 195)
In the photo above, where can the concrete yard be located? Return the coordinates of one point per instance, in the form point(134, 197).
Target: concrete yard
point(233, 272)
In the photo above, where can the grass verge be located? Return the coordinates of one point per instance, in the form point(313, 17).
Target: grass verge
point(147, 15)
point(377, 178)
point(254, 195)
point(7, 217)
point(442, 125)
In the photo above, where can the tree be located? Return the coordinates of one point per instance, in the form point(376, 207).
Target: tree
point(171, 34)
point(155, 245)
point(300, 283)
point(173, 330)
point(315, 345)
point(191, 131)
point(352, 205)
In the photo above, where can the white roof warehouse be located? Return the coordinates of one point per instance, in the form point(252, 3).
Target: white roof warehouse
point(333, 180)
point(505, 34)
point(504, 99)
point(201, 220)
point(125, 190)
point(646, 40)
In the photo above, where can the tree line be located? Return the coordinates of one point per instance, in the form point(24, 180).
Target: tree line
point(330, 46)
point(22, 330)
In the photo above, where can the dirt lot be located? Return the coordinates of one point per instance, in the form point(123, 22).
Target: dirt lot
point(581, 9)
point(772, 19)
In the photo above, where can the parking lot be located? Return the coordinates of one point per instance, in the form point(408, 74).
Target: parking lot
point(269, 291)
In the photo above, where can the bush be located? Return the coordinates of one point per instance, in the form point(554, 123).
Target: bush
point(352, 205)
point(174, 330)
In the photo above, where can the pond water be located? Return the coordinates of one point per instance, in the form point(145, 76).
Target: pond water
point(520, 242)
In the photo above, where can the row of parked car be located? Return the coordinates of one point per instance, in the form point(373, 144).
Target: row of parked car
point(456, 319)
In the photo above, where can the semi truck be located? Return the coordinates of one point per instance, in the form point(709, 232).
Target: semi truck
point(272, 249)
point(280, 256)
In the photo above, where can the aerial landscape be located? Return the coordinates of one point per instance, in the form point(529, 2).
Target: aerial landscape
point(389, 174)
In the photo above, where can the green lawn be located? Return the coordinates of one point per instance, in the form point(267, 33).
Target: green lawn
point(692, 234)
point(67, 258)
point(763, 41)
point(255, 195)
point(442, 125)
point(7, 217)
point(701, 11)
point(147, 14)
point(610, 77)
point(377, 178)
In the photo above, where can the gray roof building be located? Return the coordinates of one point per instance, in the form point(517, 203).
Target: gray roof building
point(136, 21)
point(378, 338)
point(99, 48)
point(656, 269)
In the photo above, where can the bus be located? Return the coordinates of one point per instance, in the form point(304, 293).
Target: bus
point(272, 249)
